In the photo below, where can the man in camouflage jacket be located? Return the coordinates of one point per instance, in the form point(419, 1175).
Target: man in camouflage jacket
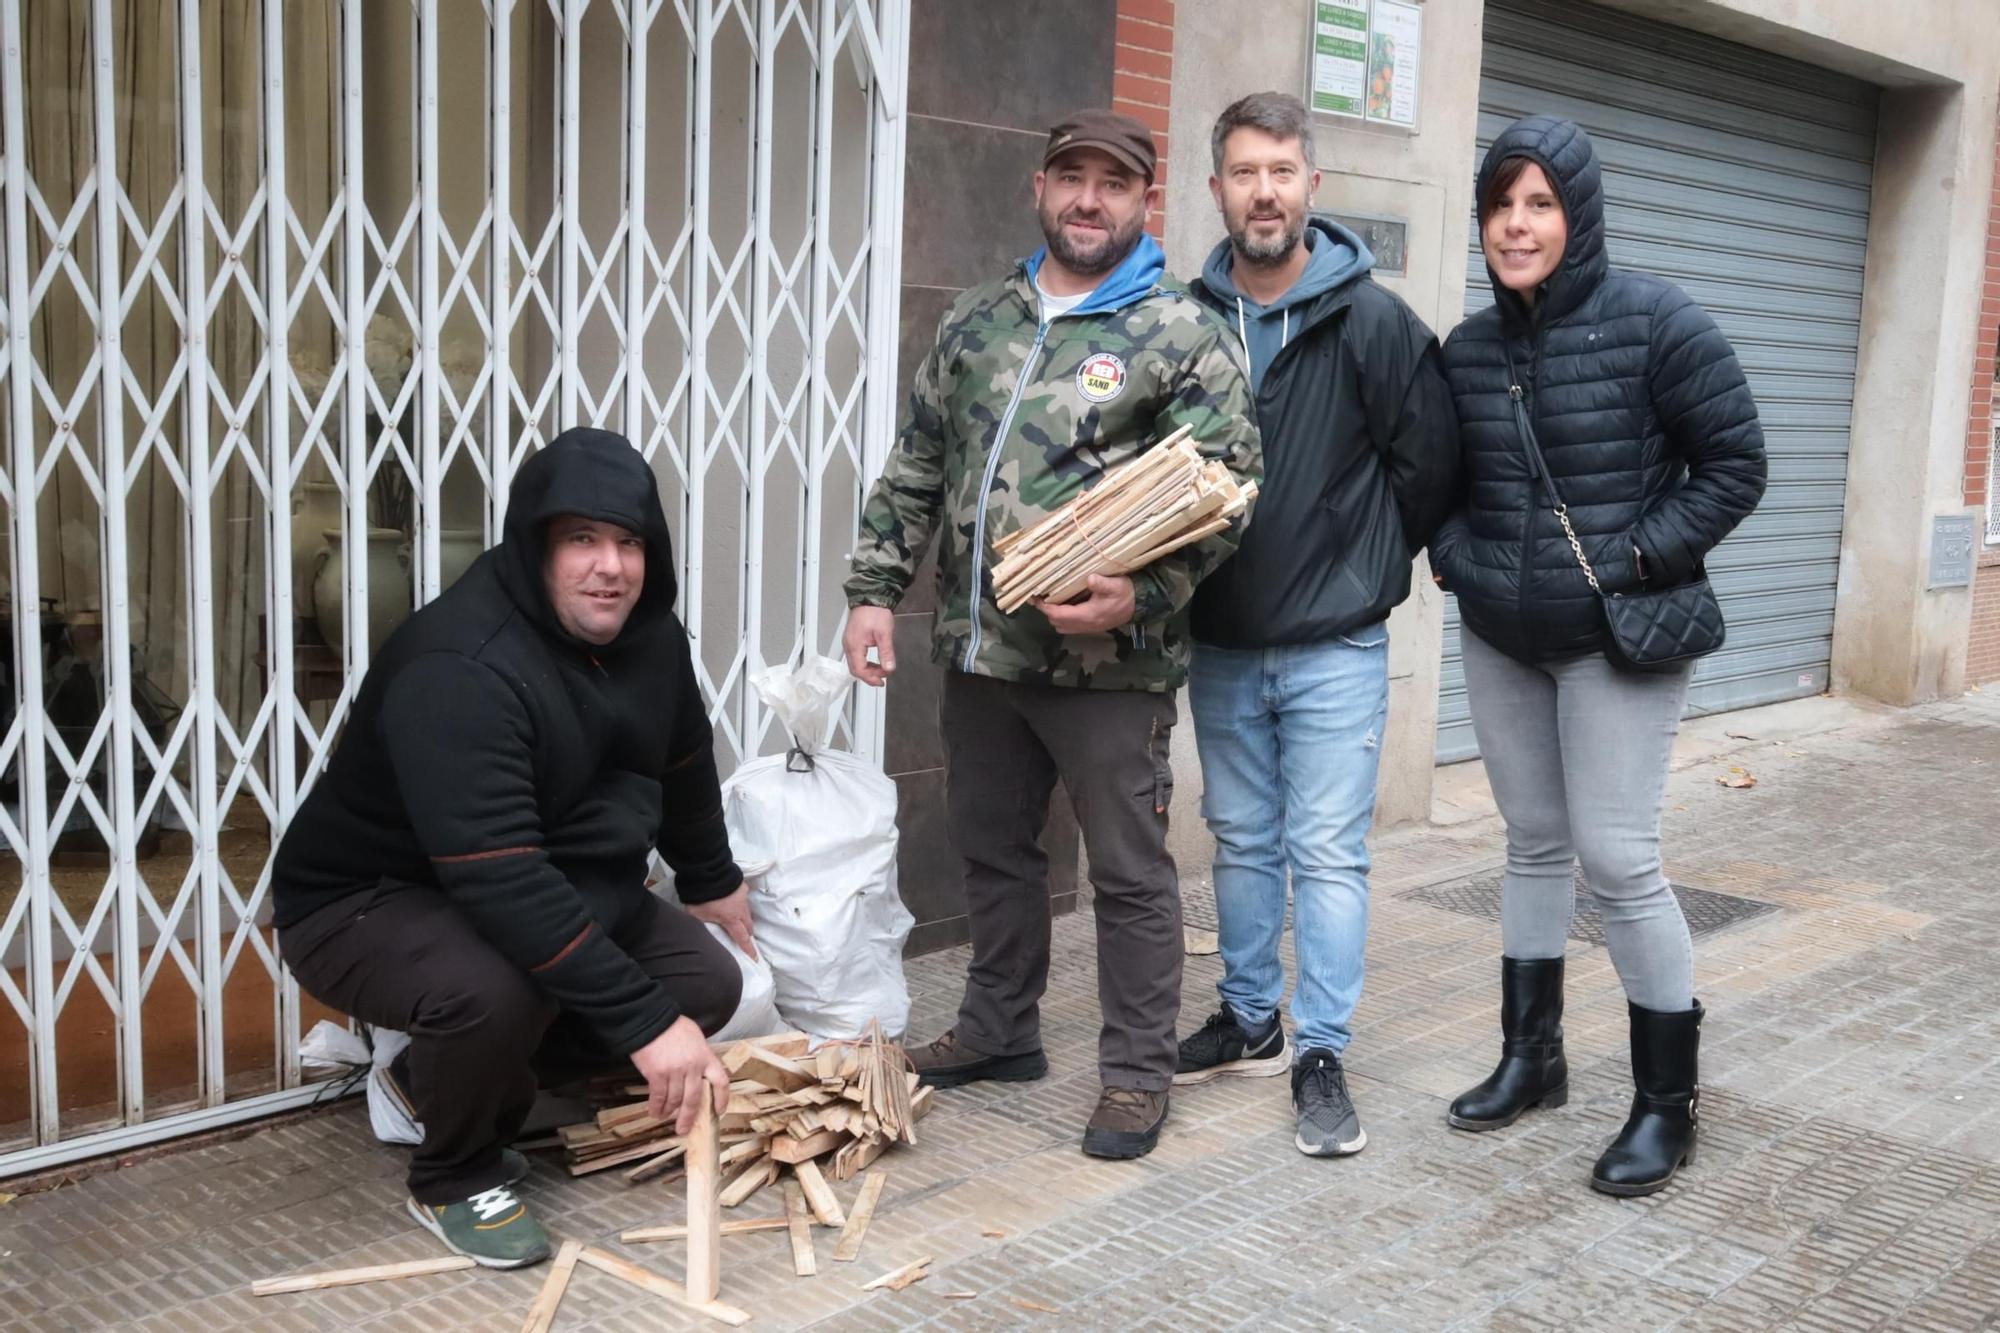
point(1038, 384)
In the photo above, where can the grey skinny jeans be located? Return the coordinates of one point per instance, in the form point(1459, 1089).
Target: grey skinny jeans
point(1577, 753)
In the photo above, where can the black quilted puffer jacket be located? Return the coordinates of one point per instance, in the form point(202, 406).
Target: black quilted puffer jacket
point(1642, 412)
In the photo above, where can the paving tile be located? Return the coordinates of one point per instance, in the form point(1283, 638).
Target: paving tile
point(1849, 1174)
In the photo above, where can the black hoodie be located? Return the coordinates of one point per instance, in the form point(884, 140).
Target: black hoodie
point(526, 774)
point(1641, 410)
point(1360, 459)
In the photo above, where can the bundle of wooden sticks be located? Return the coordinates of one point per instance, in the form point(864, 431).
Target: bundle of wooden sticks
point(838, 1107)
point(1159, 502)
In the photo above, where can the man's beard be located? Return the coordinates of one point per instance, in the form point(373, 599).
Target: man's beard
point(1267, 253)
point(1097, 260)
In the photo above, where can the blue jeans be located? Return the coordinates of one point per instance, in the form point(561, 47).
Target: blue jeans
point(1290, 741)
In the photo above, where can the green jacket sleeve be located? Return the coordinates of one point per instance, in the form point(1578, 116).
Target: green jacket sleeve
point(903, 507)
point(1213, 397)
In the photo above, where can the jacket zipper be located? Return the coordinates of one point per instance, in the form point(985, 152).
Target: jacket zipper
point(977, 593)
point(1524, 422)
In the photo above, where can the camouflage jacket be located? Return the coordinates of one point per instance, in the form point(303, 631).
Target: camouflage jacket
point(1010, 417)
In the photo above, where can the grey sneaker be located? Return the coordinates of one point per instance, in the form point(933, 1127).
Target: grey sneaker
point(493, 1228)
point(1328, 1124)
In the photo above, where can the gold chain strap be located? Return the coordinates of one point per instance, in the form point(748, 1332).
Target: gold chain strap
point(1562, 516)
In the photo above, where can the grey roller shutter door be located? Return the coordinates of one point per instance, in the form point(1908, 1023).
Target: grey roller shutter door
point(1744, 178)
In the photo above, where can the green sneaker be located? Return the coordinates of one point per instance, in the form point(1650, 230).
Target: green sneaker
point(516, 1164)
point(492, 1228)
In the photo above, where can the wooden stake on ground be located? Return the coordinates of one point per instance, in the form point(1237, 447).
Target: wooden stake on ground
point(704, 1249)
point(734, 1227)
point(899, 1278)
point(542, 1314)
point(752, 1179)
point(348, 1277)
point(804, 1263)
point(857, 1221)
point(654, 1166)
point(647, 1280)
point(820, 1197)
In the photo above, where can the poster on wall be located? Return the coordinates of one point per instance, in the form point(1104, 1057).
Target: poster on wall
point(1364, 60)
point(1395, 39)
point(1339, 56)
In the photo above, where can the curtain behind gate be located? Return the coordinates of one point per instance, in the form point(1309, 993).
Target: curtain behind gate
point(62, 144)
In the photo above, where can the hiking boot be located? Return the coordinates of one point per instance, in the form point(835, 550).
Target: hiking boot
point(1328, 1124)
point(492, 1228)
point(1125, 1124)
point(945, 1063)
point(1223, 1048)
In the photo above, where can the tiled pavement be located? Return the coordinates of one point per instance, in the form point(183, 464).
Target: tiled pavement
point(1849, 1174)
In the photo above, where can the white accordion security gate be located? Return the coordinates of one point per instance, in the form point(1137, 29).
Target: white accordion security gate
point(291, 287)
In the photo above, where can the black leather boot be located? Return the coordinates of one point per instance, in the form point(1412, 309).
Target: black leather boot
point(1532, 1071)
point(1658, 1138)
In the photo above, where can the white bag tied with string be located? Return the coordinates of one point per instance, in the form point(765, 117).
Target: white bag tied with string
point(826, 915)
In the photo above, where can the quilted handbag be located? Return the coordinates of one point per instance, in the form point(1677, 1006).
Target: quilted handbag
point(1654, 629)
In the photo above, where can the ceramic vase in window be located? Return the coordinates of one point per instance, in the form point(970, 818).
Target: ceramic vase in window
point(388, 587)
point(457, 549)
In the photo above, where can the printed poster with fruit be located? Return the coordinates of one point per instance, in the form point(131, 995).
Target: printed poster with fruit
point(1395, 39)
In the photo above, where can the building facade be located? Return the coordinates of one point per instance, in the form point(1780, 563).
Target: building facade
point(289, 294)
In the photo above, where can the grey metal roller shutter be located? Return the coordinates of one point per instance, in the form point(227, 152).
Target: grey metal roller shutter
point(1744, 178)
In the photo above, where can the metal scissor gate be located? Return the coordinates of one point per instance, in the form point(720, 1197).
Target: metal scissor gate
point(291, 287)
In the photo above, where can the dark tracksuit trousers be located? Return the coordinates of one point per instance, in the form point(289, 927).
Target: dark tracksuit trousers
point(483, 1037)
point(1005, 746)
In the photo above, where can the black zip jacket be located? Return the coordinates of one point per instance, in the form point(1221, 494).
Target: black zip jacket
point(1641, 410)
point(526, 774)
point(1360, 461)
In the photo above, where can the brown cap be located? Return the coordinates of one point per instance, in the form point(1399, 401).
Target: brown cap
point(1126, 139)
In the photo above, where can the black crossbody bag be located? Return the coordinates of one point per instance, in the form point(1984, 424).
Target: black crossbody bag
point(1648, 630)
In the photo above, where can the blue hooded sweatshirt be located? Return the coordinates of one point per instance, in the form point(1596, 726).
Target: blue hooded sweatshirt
point(1136, 275)
point(1335, 256)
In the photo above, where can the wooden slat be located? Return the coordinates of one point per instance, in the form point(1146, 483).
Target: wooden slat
point(799, 1224)
point(736, 1226)
point(348, 1277)
point(704, 1250)
point(856, 1229)
point(647, 1280)
point(542, 1314)
point(898, 1278)
point(825, 1204)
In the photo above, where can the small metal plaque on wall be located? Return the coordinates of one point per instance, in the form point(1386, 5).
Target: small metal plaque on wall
point(1951, 551)
point(1387, 237)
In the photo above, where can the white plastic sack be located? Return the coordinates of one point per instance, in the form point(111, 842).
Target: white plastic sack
point(757, 1012)
point(331, 1046)
point(393, 1119)
point(826, 915)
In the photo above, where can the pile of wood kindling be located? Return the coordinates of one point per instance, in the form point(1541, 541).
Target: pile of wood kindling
point(835, 1109)
point(1159, 502)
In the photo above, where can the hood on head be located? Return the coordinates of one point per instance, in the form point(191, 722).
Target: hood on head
point(1567, 157)
point(598, 475)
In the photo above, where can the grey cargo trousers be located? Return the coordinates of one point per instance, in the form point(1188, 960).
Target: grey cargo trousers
point(1005, 745)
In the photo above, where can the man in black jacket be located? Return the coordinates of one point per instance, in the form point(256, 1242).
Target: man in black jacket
point(472, 867)
point(1290, 681)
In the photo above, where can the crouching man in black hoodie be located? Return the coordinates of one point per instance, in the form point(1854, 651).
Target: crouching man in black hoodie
point(472, 867)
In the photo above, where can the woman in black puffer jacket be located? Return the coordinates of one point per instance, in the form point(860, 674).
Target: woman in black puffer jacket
point(1651, 440)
